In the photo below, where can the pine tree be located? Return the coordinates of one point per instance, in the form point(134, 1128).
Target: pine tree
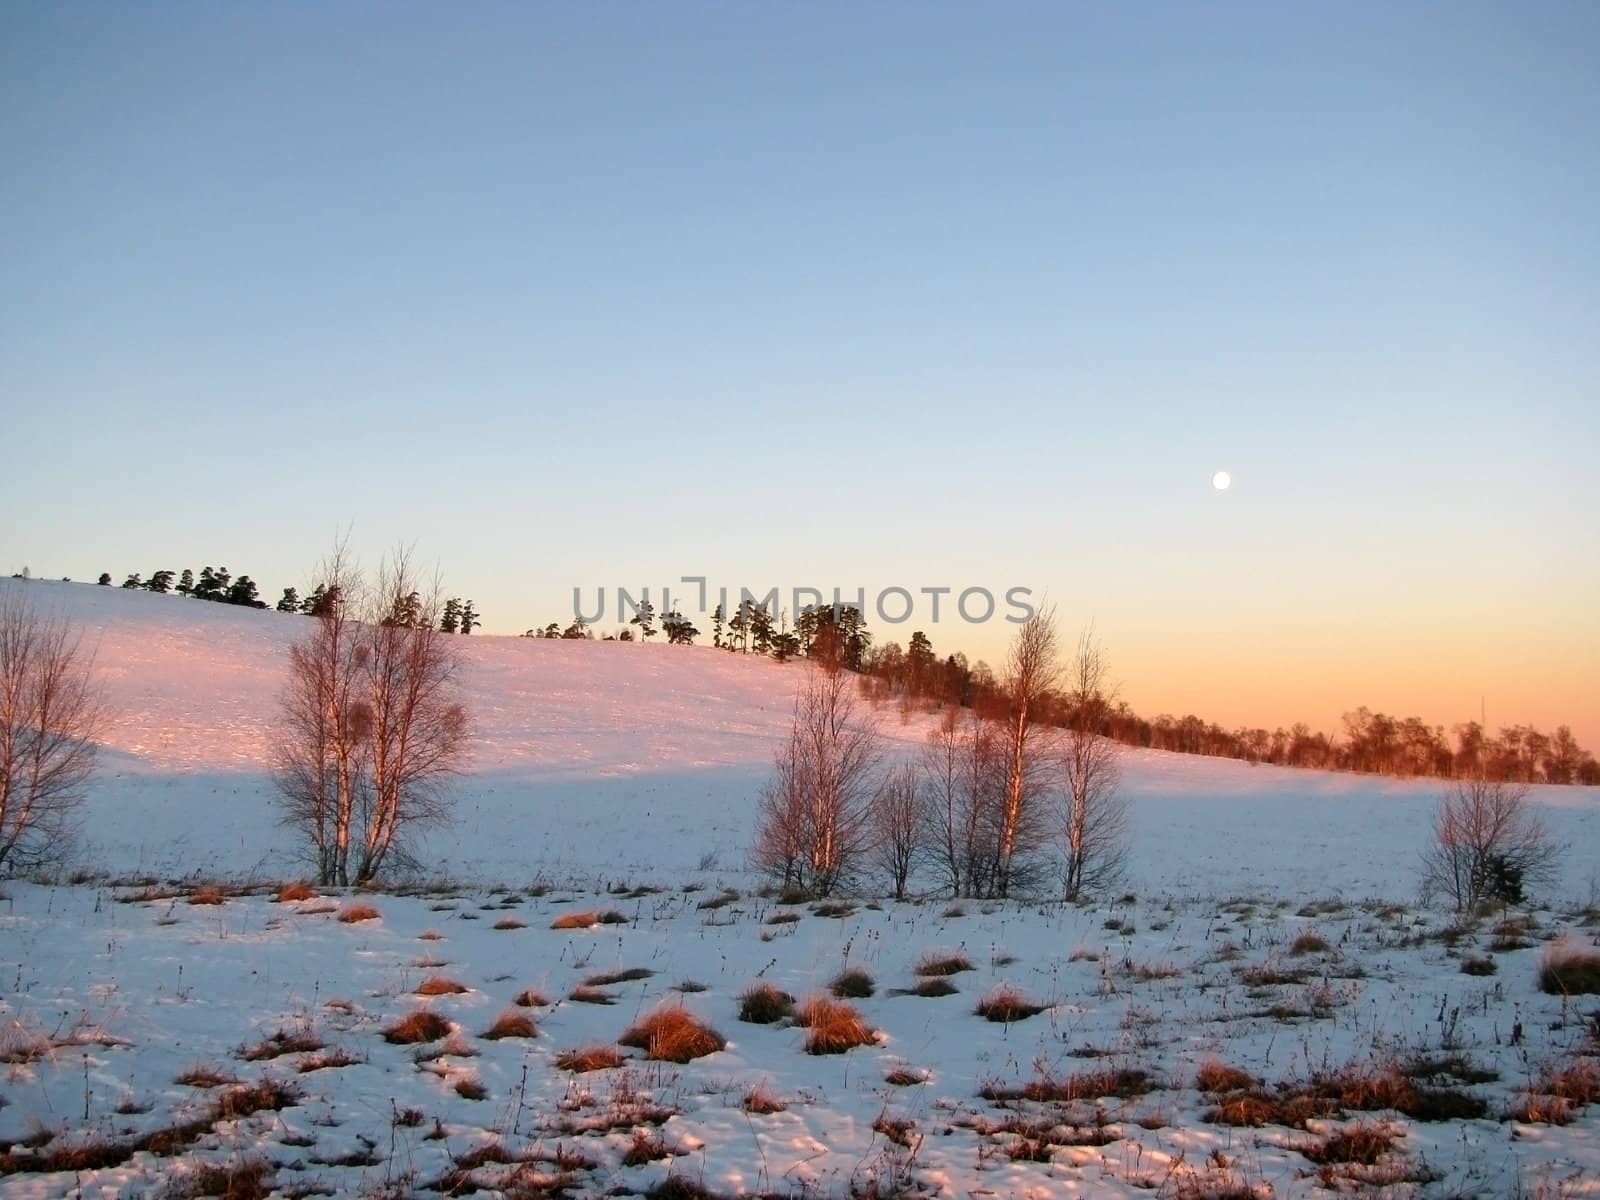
point(186, 582)
point(716, 627)
point(679, 629)
point(625, 636)
point(133, 581)
point(450, 619)
point(577, 631)
point(160, 582)
point(761, 632)
point(739, 627)
point(211, 586)
point(551, 630)
point(406, 611)
point(321, 602)
point(105, 578)
point(785, 646)
point(644, 619)
point(469, 617)
point(290, 603)
point(920, 663)
point(243, 593)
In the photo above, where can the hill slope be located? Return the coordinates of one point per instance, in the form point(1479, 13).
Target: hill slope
point(604, 758)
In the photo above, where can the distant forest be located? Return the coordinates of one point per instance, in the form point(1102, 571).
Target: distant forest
point(915, 677)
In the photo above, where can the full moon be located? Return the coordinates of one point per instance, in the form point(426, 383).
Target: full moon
point(1221, 480)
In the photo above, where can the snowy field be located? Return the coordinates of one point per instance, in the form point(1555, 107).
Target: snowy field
point(152, 1028)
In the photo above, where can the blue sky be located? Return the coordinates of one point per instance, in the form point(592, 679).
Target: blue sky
point(921, 295)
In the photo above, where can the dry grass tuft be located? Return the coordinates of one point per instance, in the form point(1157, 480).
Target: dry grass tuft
point(647, 1147)
point(764, 1004)
point(1309, 942)
point(1126, 1084)
point(905, 1077)
point(1006, 1004)
point(510, 923)
point(832, 1027)
point(207, 894)
point(530, 998)
point(203, 1075)
point(933, 986)
point(511, 1024)
point(1364, 1144)
point(243, 1179)
point(852, 984)
point(673, 1034)
point(943, 964)
point(291, 892)
point(301, 1040)
point(352, 914)
point(590, 1058)
point(441, 985)
point(590, 995)
point(328, 1060)
point(577, 920)
point(1217, 1077)
point(420, 1026)
point(607, 978)
point(468, 1088)
point(762, 1101)
point(1567, 970)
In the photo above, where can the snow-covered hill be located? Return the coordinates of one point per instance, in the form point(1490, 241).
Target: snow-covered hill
point(602, 758)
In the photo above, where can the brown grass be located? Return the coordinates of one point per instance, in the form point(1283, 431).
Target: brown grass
point(441, 985)
point(510, 923)
point(511, 1024)
point(904, 1077)
point(1126, 1084)
point(932, 986)
point(1364, 1144)
point(1309, 942)
point(762, 1101)
point(202, 1075)
point(208, 894)
point(647, 1147)
point(244, 1179)
point(673, 1034)
point(852, 984)
point(590, 995)
point(832, 1027)
point(577, 920)
point(943, 964)
point(420, 1026)
point(628, 975)
point(590, 1058)
point(352, 914)
point(1216, 1077)
point(290, 892)
point(284, 1041)
point(1006, 1004)
point(764, 1004)
point(328, 1060)
point(530, 998)
point(1567, 970)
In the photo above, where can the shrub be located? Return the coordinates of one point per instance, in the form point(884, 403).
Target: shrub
point(831, 1027)
point(440, 985)
point(420, 1026)
point(852, 984)
point(673, 1034)
point(511, 1024)
point(352, 914)
point(590, 1058)
point(1567, 970)
point(763, 1004)
point(943, 964)
point(1006, 1004)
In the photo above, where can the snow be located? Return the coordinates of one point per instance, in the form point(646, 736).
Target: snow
point(600, 770)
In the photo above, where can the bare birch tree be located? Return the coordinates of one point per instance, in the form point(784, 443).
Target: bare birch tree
point(1095, 817)
point(1026, 746)
point(370, 727)
point(899, 820)
point(823, 785)
point(50, 716)
point(1488, 844)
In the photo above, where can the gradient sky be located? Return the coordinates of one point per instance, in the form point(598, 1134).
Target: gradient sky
point(816, 295)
